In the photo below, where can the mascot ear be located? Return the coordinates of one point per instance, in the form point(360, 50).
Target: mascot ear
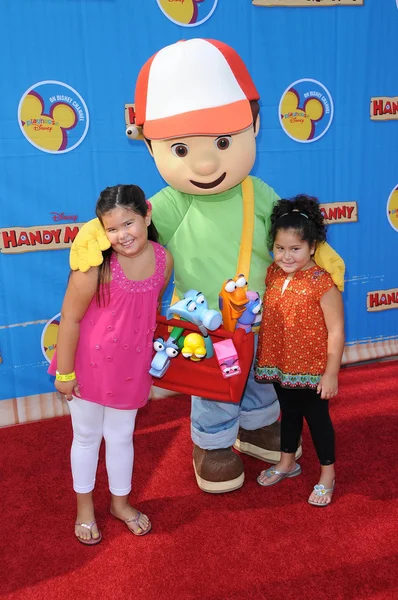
point(257, 125)
point(133, 131)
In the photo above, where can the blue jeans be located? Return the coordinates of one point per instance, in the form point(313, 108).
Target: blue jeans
point(215, 424)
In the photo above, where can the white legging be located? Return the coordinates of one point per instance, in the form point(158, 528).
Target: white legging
point(91, 422)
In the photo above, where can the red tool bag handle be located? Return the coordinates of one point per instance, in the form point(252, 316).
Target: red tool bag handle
point(205, 378)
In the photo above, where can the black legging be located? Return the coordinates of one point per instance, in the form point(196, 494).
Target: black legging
point(297, 404)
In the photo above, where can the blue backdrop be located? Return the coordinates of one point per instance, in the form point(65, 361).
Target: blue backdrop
point(97, 48)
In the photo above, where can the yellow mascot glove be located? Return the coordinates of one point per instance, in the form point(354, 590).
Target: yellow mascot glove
point(328, 259)
point(87, 247)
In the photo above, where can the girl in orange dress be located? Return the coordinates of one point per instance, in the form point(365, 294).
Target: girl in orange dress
point(301, 340)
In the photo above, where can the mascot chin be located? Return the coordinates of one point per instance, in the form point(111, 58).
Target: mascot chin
point(196, 108)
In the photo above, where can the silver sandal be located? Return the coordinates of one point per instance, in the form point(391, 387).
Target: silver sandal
point(272, 471)
point(92, 541)
point(136, 521)
point(320, 490)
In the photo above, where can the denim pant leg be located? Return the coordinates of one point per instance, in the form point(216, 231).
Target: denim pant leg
point(215, 424)
point(260, 405)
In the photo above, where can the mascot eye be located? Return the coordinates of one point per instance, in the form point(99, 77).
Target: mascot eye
point(191, 307)
point(180, 150)
point(230, 286)
point(241, 281)
point(227, 370)
point(223, 143)
point(171, 352)
point(158, 346)
point(235, 369)
point(200, 299)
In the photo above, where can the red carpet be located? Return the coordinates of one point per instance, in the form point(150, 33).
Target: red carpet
point(252, 544)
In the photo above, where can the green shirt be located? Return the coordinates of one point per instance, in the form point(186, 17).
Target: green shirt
point(203, 234)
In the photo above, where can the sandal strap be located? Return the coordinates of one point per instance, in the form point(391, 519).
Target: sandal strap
point(320, 490)
point(87, 526)
point(135, 520)
point(271, 471)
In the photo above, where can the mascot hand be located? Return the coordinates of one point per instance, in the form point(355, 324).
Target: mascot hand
point(87, 248)
point(328, 259)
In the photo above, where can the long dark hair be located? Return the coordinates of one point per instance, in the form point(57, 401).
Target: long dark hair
point(302, 214)
point(128, 197)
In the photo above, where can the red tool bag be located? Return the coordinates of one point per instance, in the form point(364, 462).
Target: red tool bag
point(204, 378)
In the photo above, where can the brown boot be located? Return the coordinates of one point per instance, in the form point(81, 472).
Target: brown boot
point(218, 471)
point(263, 443)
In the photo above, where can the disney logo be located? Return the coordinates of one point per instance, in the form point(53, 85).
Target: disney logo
point(63, 217)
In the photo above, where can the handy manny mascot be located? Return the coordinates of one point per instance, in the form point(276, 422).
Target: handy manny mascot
point(196, 107)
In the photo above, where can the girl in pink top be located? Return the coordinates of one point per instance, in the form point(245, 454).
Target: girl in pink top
point(104, 351)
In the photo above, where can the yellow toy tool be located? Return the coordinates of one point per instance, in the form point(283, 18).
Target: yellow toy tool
point(194, 347)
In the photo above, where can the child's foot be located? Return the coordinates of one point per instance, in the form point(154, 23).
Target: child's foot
point(322, 493)
point(137, 522)
point(278, 472)
point(86, 530)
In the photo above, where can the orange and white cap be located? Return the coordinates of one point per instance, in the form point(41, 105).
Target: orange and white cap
point(194, 87)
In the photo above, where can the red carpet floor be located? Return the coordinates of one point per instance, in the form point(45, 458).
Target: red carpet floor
point(251, 544)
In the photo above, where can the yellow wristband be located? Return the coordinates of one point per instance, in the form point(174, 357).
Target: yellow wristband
point(67, 377)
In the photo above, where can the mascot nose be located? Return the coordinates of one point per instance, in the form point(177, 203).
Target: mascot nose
point(205, 166)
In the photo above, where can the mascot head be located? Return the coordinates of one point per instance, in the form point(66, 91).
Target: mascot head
point(197, 109)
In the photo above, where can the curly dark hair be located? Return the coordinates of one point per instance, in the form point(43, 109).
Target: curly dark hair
point(302, 214)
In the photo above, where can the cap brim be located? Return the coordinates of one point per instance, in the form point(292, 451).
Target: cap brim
point(210, 121)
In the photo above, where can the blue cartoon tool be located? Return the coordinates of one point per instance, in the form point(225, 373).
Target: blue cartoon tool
point(195, 309)
point(251, 311)
point(165, 350)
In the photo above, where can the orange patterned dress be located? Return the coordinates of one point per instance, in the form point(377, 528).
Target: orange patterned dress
point(292, 343)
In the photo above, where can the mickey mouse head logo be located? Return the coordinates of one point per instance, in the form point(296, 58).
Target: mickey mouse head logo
point(392, 208)
point(306, 110)
point(49, 337)
point(49, 132)
point(53, 117)
point(186, 12)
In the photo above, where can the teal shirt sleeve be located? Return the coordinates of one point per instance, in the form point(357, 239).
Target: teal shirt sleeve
point(168, 210)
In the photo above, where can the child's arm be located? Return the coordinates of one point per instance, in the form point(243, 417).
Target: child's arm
point(333, 312)
point(167, 275)
point(81, 290)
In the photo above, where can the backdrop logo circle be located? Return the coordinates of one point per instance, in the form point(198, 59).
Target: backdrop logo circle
point(306, 110)
point(392, 209)
point(49, 337)
point(188, 13)
point(53, 117)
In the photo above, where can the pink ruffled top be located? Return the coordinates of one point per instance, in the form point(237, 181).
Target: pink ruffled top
point(114, 352)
